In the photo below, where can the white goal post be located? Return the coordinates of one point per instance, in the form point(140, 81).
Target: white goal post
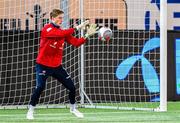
point(128, 72)
point(163, 55)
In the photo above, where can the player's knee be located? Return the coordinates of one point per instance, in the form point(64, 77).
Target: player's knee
point(72, 89)
point(40, 87)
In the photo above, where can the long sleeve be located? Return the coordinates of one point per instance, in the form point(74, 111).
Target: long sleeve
point(75, 41)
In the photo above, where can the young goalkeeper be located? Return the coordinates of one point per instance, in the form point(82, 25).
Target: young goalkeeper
point(48, 62)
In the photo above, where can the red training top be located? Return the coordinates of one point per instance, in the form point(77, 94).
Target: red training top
point(52, 44)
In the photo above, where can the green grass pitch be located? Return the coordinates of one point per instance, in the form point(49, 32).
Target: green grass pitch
point(93, 116)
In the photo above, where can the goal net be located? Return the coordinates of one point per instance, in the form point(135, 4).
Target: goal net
point(123, 73)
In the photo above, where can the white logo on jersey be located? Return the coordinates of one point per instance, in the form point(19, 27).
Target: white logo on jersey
point(48, 29)
point(55, 43)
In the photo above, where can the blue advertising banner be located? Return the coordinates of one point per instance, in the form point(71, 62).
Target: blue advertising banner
point(177, 66)
point(173, 1)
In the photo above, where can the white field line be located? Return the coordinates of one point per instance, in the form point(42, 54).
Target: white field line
point(66, 113)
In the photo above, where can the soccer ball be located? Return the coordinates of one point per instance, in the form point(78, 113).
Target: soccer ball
point(105, 34)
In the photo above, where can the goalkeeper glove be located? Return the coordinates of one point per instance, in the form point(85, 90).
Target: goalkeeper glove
point(82, 25)
point(91, 30)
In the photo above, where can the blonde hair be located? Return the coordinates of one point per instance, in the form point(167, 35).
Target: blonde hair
point(55, 13)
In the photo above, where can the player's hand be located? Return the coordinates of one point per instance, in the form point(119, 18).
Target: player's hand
point(82, 25)
point(91, 30)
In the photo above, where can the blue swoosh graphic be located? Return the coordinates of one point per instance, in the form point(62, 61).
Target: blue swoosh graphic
point(151, 44)
point(125, 66)
point(150, 76)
